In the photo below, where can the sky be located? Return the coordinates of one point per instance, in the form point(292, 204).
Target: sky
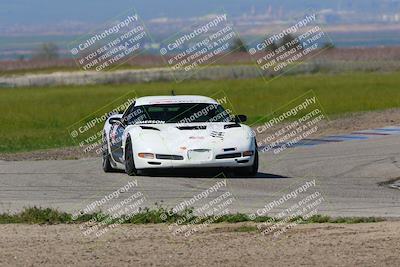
point(53, 11)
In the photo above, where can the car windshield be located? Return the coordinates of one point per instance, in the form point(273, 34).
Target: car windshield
point(178, 113)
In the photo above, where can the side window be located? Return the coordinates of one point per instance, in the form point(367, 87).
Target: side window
point(136, 114)
point(129, 110)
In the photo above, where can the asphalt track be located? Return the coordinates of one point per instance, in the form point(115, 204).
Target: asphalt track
point(350, 176)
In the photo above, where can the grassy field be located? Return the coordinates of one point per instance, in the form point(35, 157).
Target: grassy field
point(37, 118)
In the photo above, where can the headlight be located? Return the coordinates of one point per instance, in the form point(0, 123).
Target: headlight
point(248, 153)
point(146, 155)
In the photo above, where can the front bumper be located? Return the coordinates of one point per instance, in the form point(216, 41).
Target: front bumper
point(186, 162)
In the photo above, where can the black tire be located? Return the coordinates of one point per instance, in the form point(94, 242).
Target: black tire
point(253, 169)
point(106, 162)
point(130, 168)
point(250, 171)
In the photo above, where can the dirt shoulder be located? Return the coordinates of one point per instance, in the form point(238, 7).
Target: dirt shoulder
point(342, 125)
point(373, 244)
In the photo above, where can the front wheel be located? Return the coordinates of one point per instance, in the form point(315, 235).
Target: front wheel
point(106, 162)
point(130, 168)
point(250, 171)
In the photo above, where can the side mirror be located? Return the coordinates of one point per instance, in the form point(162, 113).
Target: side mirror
point(114, 120)
point(240, 118)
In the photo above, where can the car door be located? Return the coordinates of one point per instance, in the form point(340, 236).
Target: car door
point(116, 132)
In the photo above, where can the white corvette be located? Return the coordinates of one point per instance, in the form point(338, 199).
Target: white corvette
point(178, 132)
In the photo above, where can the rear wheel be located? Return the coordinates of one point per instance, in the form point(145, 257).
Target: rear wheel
point(106, 162)
point(130, 168)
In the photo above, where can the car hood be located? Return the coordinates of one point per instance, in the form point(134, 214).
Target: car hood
point(193, 136)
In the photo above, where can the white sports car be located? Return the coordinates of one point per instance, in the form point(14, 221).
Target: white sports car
point(178, 132)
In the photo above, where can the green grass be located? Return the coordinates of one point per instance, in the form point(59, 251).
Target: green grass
point(37, 215)
point(37, 118)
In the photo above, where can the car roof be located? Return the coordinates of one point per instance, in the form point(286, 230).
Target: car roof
point(152, 100)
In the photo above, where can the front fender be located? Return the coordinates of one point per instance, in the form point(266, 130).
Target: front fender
point(142, 140)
